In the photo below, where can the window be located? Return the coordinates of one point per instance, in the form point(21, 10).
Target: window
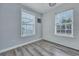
point(64, 23)
point(27, 24)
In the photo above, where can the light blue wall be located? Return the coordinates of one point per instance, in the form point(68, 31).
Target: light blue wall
point(10, 18)
point(49, 26)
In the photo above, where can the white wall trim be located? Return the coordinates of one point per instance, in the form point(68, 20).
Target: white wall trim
point(13, 47)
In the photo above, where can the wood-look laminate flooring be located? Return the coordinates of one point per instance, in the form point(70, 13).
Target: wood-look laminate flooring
point(41, 48)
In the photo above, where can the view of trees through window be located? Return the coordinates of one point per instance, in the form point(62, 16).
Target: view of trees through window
point(64, 23)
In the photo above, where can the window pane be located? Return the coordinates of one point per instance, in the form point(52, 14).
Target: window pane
point(58, 27)
point(64, 23)
point(68, 26)
point(26, 20)
point(29, 27)
point(63, 26)
point(68, 31)
point(26, 15)
point(62, 31)
point(58, 31)
point(27, 24)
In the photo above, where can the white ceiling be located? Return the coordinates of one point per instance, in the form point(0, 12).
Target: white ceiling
point(40, 7)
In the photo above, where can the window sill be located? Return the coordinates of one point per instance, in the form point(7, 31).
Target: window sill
point(64, 35)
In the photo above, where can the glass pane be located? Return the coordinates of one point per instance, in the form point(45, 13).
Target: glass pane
point(58, 31)
point(26, 20)
point(58, 26)
point(68, 31)
point(30, 28)
point(69, 20)
point(31, 22)
point(62, 31)
point(27, 24)
point(68, 26)
point(26, 15)
point(63, 26)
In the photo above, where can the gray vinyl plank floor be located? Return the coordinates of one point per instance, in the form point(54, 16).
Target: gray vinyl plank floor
point(41, 48)
point(32, 50)
point(52, 50)
point(61, 48)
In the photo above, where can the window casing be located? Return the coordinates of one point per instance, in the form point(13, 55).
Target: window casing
point(64, 23)
point(27, 24)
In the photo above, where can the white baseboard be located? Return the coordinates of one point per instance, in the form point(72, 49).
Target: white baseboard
point(13, 47)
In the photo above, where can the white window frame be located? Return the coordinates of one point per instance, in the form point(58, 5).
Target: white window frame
point(65, 34)
point(32, 24)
